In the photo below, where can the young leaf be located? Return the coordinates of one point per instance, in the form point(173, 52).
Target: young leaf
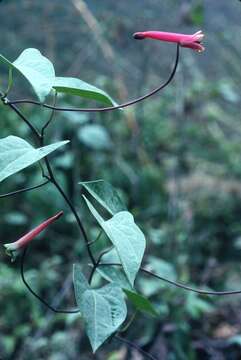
point(78, 87)
point(113, 274)
point(106, 195)
point(103, 310)
point(127, 238)
point(141, 303)
point(36, 68)
point(16, 154)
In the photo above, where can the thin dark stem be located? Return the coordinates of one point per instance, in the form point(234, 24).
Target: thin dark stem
point(135, 346)
point(92, 272)
point(20, 114)
point(51, 178)
point(61, 191)
point(72, 208)
point(98, 262)
point(179, 285)
point(23, 190)
point(110, 108)
point(59, 311)
point(185, 287)
point(50, 118)
point(40, 138)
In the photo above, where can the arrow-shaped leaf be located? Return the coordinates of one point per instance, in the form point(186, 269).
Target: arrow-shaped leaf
point(103, 310)
point(36, 68)
point(127, 238)
point(16, 154)
point(106, 195)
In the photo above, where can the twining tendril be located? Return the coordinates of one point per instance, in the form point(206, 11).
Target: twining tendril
point(37, 296)
point(179, 285)
point(110, 108)
point(52, 179)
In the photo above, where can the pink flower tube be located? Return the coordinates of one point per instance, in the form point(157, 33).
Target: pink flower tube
point(189, 41)
point(25, 240)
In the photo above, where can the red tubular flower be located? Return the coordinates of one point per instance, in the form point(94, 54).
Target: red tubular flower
point(25, 240)
point(189, 41)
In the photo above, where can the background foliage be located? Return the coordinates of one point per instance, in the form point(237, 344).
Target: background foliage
point(175, 159)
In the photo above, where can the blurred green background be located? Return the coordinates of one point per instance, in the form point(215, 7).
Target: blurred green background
point(176, 159)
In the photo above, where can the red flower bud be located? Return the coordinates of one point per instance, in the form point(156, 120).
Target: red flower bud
point(189, 41)
point(25, 240)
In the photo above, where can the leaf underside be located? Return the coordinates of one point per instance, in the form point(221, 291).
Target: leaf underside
point(125, 235)
point(16, 154)
point(103, 310)
point(106, 195)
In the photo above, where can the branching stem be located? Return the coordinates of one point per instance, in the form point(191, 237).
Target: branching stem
point(51, 177)
point(23, 190)
point(98, 262)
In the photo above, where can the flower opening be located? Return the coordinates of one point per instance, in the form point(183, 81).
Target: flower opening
point(189, 41)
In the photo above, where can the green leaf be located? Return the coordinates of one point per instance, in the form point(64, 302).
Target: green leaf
point(16, 154)
point(10, 80)
point(95, 136)
point(127, 238)
point(103, 310)
point(113, 274)
point(78, 87)
point(106, 195)
point(93, 211)
point(36, 68)
point(80, 283)
point(141, 303)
